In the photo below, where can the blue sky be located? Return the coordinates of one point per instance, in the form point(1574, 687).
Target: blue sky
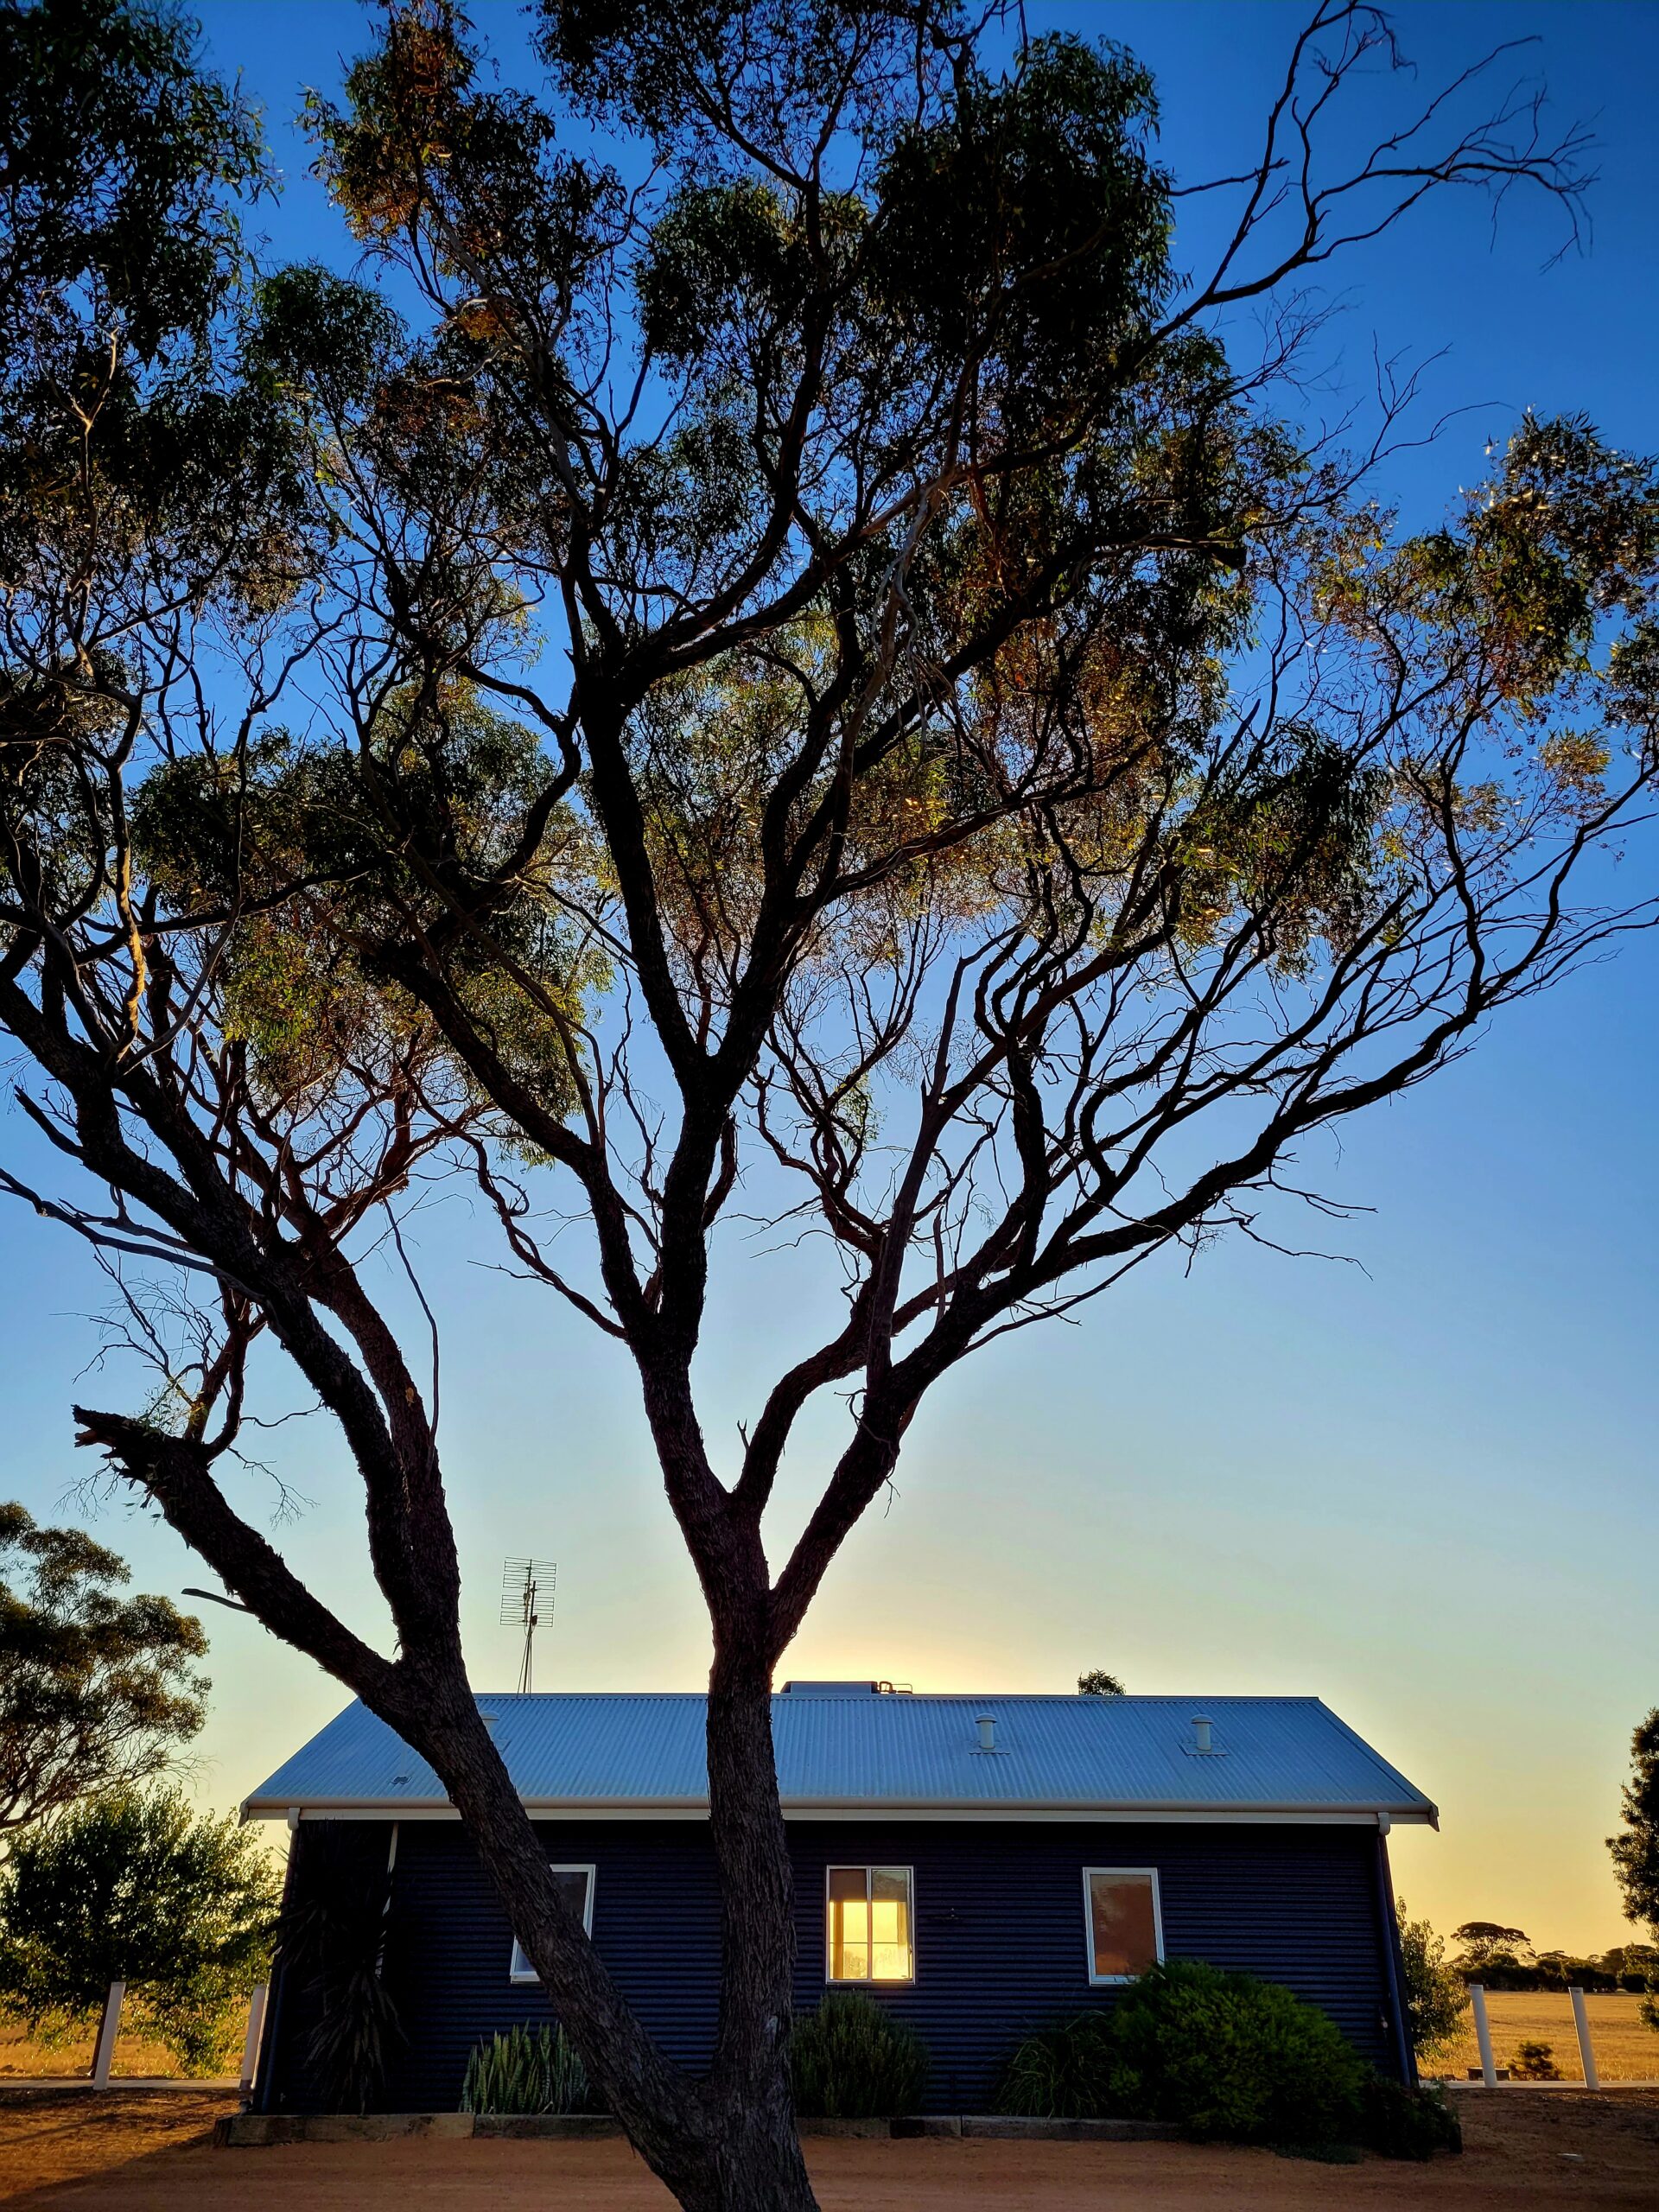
point(1421, 1485)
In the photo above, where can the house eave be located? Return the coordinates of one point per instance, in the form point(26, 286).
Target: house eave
point(696, 1808)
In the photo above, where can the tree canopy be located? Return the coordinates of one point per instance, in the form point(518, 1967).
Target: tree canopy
point(1436, 1999)
point(794, 664)
point(1636, 1848)
point(97, 1690)
point(137, 1887)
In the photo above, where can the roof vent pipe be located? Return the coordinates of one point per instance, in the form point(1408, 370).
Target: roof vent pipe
point(1201, 1727)
point(986, 1725)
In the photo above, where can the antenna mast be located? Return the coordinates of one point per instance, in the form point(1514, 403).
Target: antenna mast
point(526, 1585)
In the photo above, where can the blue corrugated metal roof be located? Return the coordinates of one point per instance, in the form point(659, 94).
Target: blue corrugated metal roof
point(633, 1753)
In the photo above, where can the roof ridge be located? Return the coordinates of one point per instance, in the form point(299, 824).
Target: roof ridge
point(965, 1697)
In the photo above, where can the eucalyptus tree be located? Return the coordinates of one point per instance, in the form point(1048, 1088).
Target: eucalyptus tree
point(1635, 1850)
point(791, 659)
point(99, 1691)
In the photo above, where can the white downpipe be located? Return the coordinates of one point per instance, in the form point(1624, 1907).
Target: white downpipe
point(1586, 2051)
point(109, 2027)
point(256, 2022)
point(1483, 2035)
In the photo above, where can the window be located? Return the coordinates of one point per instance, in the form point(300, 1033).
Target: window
point(1126, 1929)
point(575, 1886)
point(867, 1924)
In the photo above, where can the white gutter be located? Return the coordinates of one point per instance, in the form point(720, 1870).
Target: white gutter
point(696, 1808)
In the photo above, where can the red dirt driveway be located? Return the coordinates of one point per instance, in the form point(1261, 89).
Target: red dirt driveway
point(151, 2152)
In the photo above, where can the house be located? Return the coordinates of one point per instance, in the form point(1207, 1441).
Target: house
point(978, 1863)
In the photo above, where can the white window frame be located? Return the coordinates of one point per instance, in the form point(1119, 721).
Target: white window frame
point(1117, 1981)
point(520, 1970)
point(867, 1867)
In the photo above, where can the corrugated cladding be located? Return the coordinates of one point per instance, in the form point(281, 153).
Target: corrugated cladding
point(1060, 1751)
point(999, 1934)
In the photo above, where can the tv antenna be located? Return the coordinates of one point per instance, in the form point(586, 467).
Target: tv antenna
point(527, 1587)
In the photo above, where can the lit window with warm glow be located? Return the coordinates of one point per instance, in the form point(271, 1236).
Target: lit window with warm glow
point(869, 1925)
point(1126, 1931)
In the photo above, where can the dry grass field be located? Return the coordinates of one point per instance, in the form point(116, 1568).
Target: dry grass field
point(136, 2057)
point(1626, 2050)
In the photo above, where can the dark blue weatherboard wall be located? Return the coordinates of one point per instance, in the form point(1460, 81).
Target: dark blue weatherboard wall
point(1000, 1935)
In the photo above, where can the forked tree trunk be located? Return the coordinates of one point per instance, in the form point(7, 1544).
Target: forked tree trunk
point(727, 2144)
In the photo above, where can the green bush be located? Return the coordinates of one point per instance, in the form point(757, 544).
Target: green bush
point(1404, 2123)
point(1436, 1997)
point(137, 1887)
point(1061, 2072)
point(1535, 2061)
point(525, 2070)
point(1223, 2055)
point(852, 2060)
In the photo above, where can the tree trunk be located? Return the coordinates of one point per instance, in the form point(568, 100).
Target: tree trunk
point(728, 2143)
point(757, 2148)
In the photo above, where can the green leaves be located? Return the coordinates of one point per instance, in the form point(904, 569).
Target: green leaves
point(1228, 2056)
point(1635, 1850)
point(96, 1688)
point(525, 2070)
point(850, 2059)
point(138, 1889)
point(121, 159)
point(1029, 227)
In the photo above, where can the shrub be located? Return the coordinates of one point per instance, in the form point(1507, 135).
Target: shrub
point(1535, 2061)
point(852, 2060)
point(525, 2070)
point(1436, 1996)
point(1061, 2072)
point(1404, 2123)
point(1223, 2055)
point(331, 1941)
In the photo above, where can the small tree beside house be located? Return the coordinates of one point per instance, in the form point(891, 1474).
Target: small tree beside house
point(1636, 1848)
point(137, 1887)
point(1436, 1994)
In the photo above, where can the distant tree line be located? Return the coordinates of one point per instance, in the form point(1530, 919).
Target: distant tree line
point(1505, 1958)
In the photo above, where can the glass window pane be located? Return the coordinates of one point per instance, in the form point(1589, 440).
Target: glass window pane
point(574, 1885)
point(571, 1882)
point(1122, 1925)
point(890, 1952)
point(849, 1924)
point(869, 1924)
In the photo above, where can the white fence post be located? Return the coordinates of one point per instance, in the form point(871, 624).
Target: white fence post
point(109, 2027)
point(1586, 2052)
point(256, 2021)
point(1483, 2035)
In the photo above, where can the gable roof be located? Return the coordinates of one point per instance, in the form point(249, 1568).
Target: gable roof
point(620, 1754)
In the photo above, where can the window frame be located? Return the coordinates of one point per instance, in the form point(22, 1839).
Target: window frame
point(520, 1973)
point(1118, 1980)
point(867, 1868)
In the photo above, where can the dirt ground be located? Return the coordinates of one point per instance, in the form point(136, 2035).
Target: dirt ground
point(150, 2151)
